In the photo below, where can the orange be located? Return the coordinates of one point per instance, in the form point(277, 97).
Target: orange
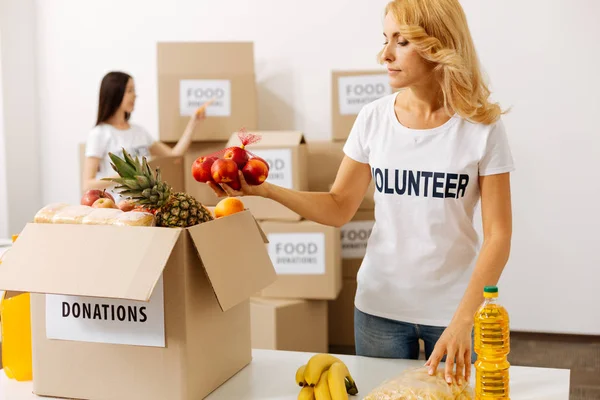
point(228, 206)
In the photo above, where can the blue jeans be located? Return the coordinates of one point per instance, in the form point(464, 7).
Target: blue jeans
point(386, 338)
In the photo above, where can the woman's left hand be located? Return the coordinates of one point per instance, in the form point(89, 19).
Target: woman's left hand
point(455, 343)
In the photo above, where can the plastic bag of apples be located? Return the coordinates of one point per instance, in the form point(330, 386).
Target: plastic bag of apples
point(224, 165)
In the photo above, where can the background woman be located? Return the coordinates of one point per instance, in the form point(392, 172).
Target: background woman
point(113, 131)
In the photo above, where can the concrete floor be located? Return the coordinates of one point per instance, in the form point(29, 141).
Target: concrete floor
point(580, 354)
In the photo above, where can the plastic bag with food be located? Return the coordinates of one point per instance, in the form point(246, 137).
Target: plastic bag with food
point(417, 384)
point(46, 214)
point(72, 214)
point(135, 218)
point(102, 216)
point(223, 166)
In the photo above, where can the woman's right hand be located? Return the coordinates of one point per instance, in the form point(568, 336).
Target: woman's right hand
point(224, 190)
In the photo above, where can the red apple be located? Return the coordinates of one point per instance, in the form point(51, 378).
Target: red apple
point(237, 154)
point(225, 170)
point(266, 163)
point(104, 202)
point(90, 196)
point(255, 171)
point(201, 169)
point(126, 205)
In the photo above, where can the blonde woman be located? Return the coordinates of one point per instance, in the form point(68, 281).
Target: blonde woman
point(435, 149)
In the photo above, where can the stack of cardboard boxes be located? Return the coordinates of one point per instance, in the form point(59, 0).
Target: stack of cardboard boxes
point(310, 305)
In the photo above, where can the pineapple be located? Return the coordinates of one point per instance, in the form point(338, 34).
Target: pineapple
point(147, 190)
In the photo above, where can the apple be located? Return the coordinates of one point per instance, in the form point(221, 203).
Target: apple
point(90, 196)
point(255, 171)
point(201, 169)
point(104, 202)
point(266, 163)
point(237, 154)
point(126, 205)
point(225, 170)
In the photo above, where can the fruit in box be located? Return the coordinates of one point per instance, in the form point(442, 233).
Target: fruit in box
point(225, 164)
point(126, 205)
point(201, 169)
point(147, 189)
point(255, 171)
point(90, 196)
point(225, 170)
point(228, 206)
point(237, 154)
point(104, 202)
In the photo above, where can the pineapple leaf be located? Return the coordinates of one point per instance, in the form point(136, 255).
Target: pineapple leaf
point(121, 167)
point(143, 181)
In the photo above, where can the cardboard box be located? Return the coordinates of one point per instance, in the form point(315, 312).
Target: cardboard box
point(306, 256)
point(350, 91)
point(354, 238)
point(326, 157)
point(285, 152)
point(293, 325)
point(341, 315)
point(190, 74)
point(138, 312)
point(201, 191)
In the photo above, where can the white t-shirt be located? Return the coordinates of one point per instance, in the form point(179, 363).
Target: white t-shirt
point(423, 247)
point(105, 138)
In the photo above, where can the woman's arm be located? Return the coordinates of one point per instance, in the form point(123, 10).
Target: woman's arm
point(161, 149)
point(334, 208)
point(90, 170)
point(496, 212)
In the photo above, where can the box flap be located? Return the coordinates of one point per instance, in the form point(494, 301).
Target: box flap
point(234, 255)
point(271, 139)
point(212, 58)
point(88, 260)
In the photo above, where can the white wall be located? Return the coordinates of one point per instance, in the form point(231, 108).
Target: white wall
point(19, 91)
point(3, 186)
point(542, 58)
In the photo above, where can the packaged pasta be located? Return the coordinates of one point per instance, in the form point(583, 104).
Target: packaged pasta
point(72, 214)
point(135, 218)
point(417, 384)
point(102, 216)
point(46, 214)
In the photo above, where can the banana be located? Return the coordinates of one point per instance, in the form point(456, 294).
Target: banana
point(306, 393)
point(351, 387)
point(300, 376)
point(316, 365)
point(322, 388)
point(337, 381)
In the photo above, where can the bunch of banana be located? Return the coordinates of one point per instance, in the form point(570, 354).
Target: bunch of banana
point(325, 377)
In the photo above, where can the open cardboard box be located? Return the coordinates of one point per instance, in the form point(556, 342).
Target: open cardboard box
point(139, 312)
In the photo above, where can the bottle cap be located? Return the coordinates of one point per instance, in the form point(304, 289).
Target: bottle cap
point(490, 289)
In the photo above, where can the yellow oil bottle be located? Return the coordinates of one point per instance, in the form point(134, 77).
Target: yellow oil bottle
point(15, 318)
point(492, 346)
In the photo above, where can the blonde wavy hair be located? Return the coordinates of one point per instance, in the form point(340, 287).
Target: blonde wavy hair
point(439, 31)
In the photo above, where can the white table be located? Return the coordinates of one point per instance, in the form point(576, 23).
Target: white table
point(270, 376)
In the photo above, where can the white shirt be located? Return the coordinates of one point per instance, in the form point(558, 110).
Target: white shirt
point(423, 247)
point(105, 138)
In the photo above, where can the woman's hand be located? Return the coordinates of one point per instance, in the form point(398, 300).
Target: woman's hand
point(455, 343)
point(223, 189)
